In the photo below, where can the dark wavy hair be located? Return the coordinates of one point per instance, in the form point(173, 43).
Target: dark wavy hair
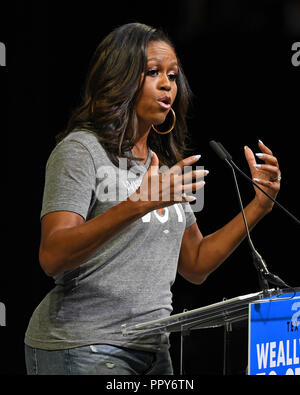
point(112, 86)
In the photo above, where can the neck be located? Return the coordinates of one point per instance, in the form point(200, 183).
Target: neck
point(141, 148)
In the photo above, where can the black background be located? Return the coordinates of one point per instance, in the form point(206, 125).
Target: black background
point(237, 57)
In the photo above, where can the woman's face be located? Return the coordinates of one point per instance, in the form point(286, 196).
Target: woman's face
point(159, 89)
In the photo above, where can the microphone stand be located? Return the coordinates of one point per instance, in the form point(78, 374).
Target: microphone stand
point(264, 275)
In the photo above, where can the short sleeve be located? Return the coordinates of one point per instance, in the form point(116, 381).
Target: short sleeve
point(189, 215)
point(69, 180)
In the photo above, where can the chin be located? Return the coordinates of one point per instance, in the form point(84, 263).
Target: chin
point(160, 120)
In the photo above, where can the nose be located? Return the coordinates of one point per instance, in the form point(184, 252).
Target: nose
point(164, 82)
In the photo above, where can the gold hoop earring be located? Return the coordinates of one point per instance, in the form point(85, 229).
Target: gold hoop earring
point(172, 126)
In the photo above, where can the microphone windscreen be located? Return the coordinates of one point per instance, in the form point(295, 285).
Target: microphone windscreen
point(217, 149)
point(229, 157)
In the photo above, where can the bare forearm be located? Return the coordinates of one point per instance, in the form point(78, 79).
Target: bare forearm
point(68, 248)
point(217, 247)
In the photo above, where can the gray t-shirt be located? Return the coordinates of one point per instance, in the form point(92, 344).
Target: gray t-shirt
point(128, 280)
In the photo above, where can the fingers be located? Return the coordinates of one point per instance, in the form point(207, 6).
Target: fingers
point(264, 148)
point(154, 164)
point(178, 168)
point(249, 156)
point(267, 183)
point(268, 158)
point(194, 187)
point(271, 166)
point(177, 181)
point(188, 181)
point(265, 173)
point(272, 170)
point(193, 175)
point(266, 155)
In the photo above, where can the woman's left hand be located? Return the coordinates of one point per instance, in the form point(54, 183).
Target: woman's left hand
point(267, 175)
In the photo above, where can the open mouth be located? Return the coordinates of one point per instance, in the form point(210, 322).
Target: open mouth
point(165, 102)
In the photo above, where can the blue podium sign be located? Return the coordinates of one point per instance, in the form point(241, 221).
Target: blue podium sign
point(274, 336)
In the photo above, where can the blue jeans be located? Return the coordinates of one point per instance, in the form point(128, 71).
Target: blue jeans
point(97, 359)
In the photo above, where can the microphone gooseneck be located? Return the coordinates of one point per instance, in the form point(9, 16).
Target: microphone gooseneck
point(263, 273)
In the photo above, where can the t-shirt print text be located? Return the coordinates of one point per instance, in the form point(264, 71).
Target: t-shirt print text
point(162, 215)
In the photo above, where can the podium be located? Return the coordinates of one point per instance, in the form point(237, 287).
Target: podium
point(272, 312)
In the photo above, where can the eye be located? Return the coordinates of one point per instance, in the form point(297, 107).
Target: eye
point(152, 72)
point(173, 77)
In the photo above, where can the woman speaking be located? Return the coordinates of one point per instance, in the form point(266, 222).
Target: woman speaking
point(113, 243)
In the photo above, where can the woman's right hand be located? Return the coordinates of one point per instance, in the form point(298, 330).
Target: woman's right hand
point(159, 190)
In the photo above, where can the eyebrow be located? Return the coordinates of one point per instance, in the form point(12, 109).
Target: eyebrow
point(159, 60)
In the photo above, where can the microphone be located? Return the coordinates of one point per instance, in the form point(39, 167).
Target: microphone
point(264, 275)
